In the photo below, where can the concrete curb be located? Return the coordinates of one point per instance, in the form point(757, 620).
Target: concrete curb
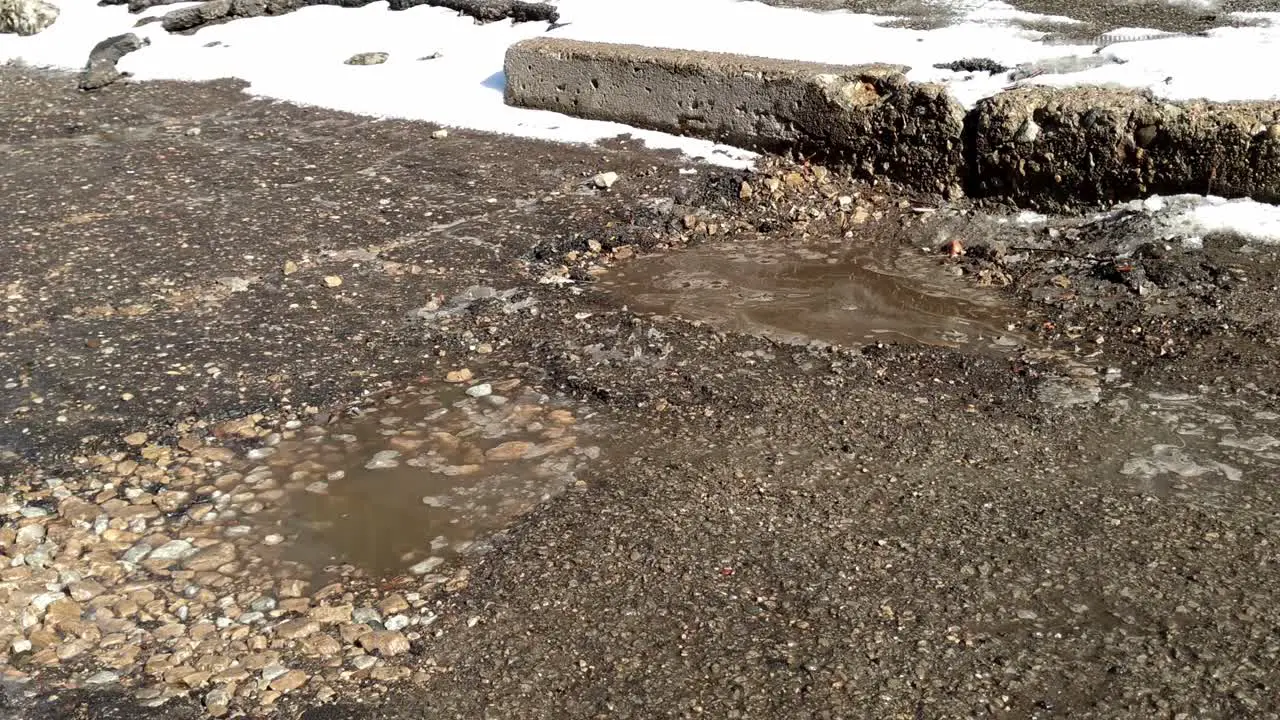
point(1047, 148)
point(866, 117)
point(1052, 148)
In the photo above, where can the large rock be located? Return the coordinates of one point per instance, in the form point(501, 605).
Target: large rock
point(193, 18)
point(101, 70)
point(1053, 149)
point(867, 118)
point(486, 11)
point(26, 17)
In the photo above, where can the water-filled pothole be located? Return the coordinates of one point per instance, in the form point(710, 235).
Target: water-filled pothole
point(1204, 447)
point(835, 291)
point(425, 477)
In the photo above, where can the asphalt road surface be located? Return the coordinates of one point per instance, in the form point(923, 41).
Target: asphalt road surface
point(772, 531)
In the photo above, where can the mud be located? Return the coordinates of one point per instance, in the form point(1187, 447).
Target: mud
point(425, 478)
point(1082, 526)
point(837, 290)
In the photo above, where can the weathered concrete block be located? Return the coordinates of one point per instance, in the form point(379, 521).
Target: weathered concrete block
point(1053, 149)
point(867, 118)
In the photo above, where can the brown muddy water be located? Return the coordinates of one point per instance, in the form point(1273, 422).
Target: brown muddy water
point(421, 479)
point(835, 291)
point(425, 478)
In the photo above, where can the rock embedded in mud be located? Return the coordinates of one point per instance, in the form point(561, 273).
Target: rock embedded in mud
point(297, 629)
point(507, 451)
point(368, 58)
point(386, 643)
point(605, 180)
point(290, 680)
point(458, 376)
point(217, 702)
point(211, 558)
point(328, 614)
point(427, 565)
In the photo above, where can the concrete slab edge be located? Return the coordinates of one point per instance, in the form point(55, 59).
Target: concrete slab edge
point(1051, 149)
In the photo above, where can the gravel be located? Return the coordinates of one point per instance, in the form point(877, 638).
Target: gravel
point(663, 518)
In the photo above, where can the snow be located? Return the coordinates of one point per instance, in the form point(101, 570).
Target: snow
point(300, 57)
point(1196, 215)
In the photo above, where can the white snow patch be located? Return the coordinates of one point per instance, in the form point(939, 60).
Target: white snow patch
point(1195, 215)
point(1185, 67)
point(1254, 220)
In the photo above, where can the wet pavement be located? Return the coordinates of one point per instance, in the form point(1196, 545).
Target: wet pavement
point(308, 416)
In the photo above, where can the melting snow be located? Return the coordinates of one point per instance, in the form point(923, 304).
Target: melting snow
point(300, 57)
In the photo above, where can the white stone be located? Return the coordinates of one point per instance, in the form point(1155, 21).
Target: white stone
point(384, 459)
point(26, 17)
point(427, 565)
point(44, 600)
point(30, 534)
point(172, 550)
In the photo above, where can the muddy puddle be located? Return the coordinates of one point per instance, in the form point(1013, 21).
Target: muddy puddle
point(837, 291)
point(420, 481)
point(1204, 447)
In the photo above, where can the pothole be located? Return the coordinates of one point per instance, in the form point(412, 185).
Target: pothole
point(834, 291)
point(424, 479)
point(259, 558)
point(1201, 447)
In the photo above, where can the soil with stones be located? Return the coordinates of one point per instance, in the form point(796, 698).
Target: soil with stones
point(208, 299)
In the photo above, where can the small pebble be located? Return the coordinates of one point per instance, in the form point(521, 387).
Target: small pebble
point(384, 459)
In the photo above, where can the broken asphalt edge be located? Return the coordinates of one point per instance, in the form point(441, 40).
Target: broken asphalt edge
point(1050, 149)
